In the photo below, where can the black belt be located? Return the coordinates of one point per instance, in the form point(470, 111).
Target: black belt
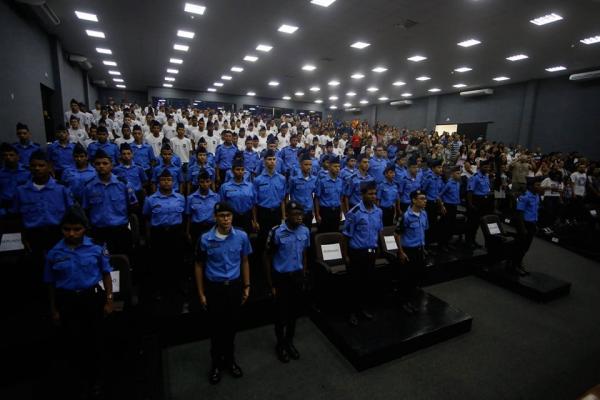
point(371, 250)
point(482, 196)
point(81, 292)
point(167, 228)
point(331, 208)
point(224, 283)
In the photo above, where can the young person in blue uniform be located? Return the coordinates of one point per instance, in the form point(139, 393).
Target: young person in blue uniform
point(223, 281)
point(12, 175)
point(166, 162)
point(132, 173)
point(527, 209)
point(224, 156)
point(286, 267)
point(199, 208)
point(409, 184)
point(361, 229)
point(60, 152)
point(143, 155)
point(378, 163)
point(241, 196)
point(388, 196)
point(432, 184)
point(352, 195)
point(251, 157)
point(25, 146)
point(328, 198)
point(75, 178)
point(349, 168)
point(103, 144)
point(301, 189)
point(450, 196)
point(196, 168)
point(480, 201)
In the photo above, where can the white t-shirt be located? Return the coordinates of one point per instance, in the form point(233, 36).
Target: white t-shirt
point(169, 131)
point(211, 142)
point(182, 148)
point(155, 143)
point(77, 135)
point(579, 181)
point(548, 184)
point(121, 140)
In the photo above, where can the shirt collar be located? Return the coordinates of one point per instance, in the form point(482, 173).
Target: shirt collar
point(87, 241)
point(212, 233)
point(113, 179)
point(50, 184)
point(364, 208)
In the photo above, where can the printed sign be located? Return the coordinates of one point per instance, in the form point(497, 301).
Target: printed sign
point(494, 229)
point(11, 242)
point(331, 251)
point(116, 277)
point(390, 243)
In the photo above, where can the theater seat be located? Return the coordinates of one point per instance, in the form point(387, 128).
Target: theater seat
point(123, 298)
point(332, 256)
point(386, 245)
point(497, 242)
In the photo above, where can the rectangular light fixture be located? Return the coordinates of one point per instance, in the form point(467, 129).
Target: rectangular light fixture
point(501, 78)
point(308, 67)
point(299, 94)
point(103, 51)
point(167, 85)
point(435, 90)
point(399, 83)
point(211, 89)
point(333, 98)
point(556, 69)
point(517, 57)
point(372, 89)
point(109, 63)
point(112, 72)
point(416, 58)
point(357, 76)
point(185, 34)
point(96, 34)
point(318, 101)
point(273, 83)
point(351, 94)
point(459, 85)
point(181, 47)
point(250, 94)
point(121, 86)
point(591, 40)
point(333, 83)
point(546, 19)
point(218, 84)
point(347, 104)
point(379, 69)
point(264, 48)
point(226, 77)
point(383, 98)
point(194, 8)
point(360, 45)
point(86, 16)
point(323, 3)
point(237, 69)
point(463, 69)
point(364, 101)
point(175, 60)
point(315, 89)
point(250, 58)
point(469, 43)
point(172, 71)
point(119, 80)
point(287, 28)
point(169, 79)
point(406, 94)
point(423, 78)
point(286, 98)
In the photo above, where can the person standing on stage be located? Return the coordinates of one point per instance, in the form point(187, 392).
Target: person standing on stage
point(301, 188)
point(527, 216)
point(388, 196)
point(480, 201)
point(328, 198)
point(450, 196)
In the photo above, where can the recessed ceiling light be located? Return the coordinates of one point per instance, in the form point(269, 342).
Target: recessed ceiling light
point(96, 34)
point(372, 89)
point(167, 85)
point(211, 89)
point(175, 60)
point(347, 104)
point(399, 83)
point(434, 90)
point(501, 78)
point(363, 101)
point(169, 79)
point(591, 40)
point(323, 3)
point(555, 69)
point(299, 94)
point(333, 83)
point(379, 69)
point(172, 71)
point(469, 43)
point(109, 63)
point(318, 101)
point(181, 47)
point(423, 78)
point(315, 89)
point(383, 98)
point(118, 80)
point(333, 98)
point(250, 58)
point(264, 48)
point(308, 67)
point(357, 76)
point(218, 84)
point(237, 69)
point(86, 16)
point(406, 94)
point(121, 86)
point(360, 45)
point(333, 107)
point(112, 72)
point(103, 51)
point(273, 83)
point(286, 97)
point(194, 8)
point(416, 58)
point(287, 28)
point(463, 69)
point(185, 34)
point(351, 94)
point(250, 94)
point(459, 85)
point(517, 57)
point(226, 77)
point(546, 19)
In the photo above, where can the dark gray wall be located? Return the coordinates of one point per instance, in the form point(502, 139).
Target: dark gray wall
point(72, 80)
point(127, 96)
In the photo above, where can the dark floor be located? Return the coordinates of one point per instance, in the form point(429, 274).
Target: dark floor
point(517, 349)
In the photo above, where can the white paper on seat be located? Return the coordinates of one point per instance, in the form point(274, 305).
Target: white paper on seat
point(593, 213)
point(494, 229)
point(116, 277)
point(343, 217)
point(331, 251)
point(11, 242)
point(390, 243)
point(314, 221)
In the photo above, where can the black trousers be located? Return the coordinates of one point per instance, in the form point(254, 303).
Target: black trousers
point(224, 302)
point(388, 215)
point(307, 219)
point(404, 206)
point(41, 240)
point(197, 229)
point(286, 303)
point(433, 212)
point(447, 224)
point(360, 278)
point(412, 272)
point(167, 246)
point(222, 174)
point(118, 239)
point(330, 219)
point(551, 211)
point(243, 221)
point(267, 219)
point(482, 205)
point(524, 239)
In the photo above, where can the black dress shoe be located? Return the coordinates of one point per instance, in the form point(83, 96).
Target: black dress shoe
point(353, 320)
point(366, 314)
point(235, 370)
point(292, 351)
point(215, 376)
point(282, 353)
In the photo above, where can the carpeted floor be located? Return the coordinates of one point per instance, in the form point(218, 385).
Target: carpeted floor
point(517, 349)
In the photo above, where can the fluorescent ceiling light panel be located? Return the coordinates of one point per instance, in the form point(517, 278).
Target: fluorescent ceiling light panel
point(264, 48)
point(181, 47)
point(351, 94)
point(347, 104)
point(591, 40)
point(175, 60)
point(121, 86)
point(250, 94)
point(211, 89)
point(194, 8)
point(556, 69)
point(286, 98)
point(299, 94)
point(416, 58)
point(287, 28)
point(364, 101)
point(226, 77)
point(333, 83)
point(218, 84)
point(463, 69)
point(517, 57)
point(308, 67)
point(469, 43)
point(103, 51)
point(315, 89)
point(185, 34)
point(459, 85)
point(360, 45)
point(357, 76)
point(333, 107)
point(167, 85)
point(96, 34)
point(333, 98)
point(546, 19)
point(318, 101)
point(399, 83)
point(383, 98)
point(273, 83)
point(323, 3)
point(86, 16)
point(434, 90)
point(372, 89)
point(118, 80)
point(250, 58)
point(109, 63)
point(169, 79)
point(406, 94)
point(112, 72)
point(423, 78)
point(501, 78)
point(379, 69)
point(172, 71)
point(237, 69)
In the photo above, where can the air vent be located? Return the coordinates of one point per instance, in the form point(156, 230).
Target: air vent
point(406, 24)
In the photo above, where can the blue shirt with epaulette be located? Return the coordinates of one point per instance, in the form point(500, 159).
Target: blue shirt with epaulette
point(111, 149)
point(352, 186)
point(377, 167)
point(279, 166)
point(108, 204)
point(450, 193)
point(251, 161)
point(301, 190)
point(528, 203)
point(346, 173)
point(329, 191)
point(75, 179)
point(289, 155)
point(229, 175)
point(133, 174)
point(241, 196)
point(224, 156)
point(401, 172)
point(479, 184)
point(407, 186)
point(432, 185)
point(412, 226)
point(222, 258)
point(143, 155)
point(76, 268)
point(387, 194)
point(42, 207)
point(270, 189)
point(175, 171)
point(200, 207)
point(362, 226)
point(194, 172)
point(25, 151)
point(164, 209)
point(288, 246)
point(61, 156)
point(10, 178)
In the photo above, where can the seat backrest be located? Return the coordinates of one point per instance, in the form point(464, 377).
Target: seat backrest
point(387, 240)
point(134, 224)
point(491, 226)
point(329, 248)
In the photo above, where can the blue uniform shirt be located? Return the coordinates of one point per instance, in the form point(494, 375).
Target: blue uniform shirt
point(412, 226)
point(76, 269)
point(44, 207)
point(401, 172)
point(200, 207)
point(528, 203)
point(329, 191)
point(301, 190)
point(143, 155)
point(229, 176)
point(9, 180)
point(175, 171)
point(479, 184)
point(222, 258)
point(270, 189)
point(133, 174)
point(224, 156)
point(164, 209)
point(407, 186)
point(432, 185)
point(387, 194)
point(362, 226)
point(76, 179)
point(194, 172)
point(25, 151)
point(61, 156)
point(289, 155)
point(241, 196)
point(251, 161)
point(346, 172)
point(108, 204)
point(353, 183)
point(279, 166)
point(450, 194)
point(287, 246)
point(110, 148)
point(376, 168)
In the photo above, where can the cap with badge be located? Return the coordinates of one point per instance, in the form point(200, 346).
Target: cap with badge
point(368, 185)
point(416, 193)
point(125, 146)
point(165, 173)
point(79, 149)
point(223, 206)
point(293, 206)
point(39, 155)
